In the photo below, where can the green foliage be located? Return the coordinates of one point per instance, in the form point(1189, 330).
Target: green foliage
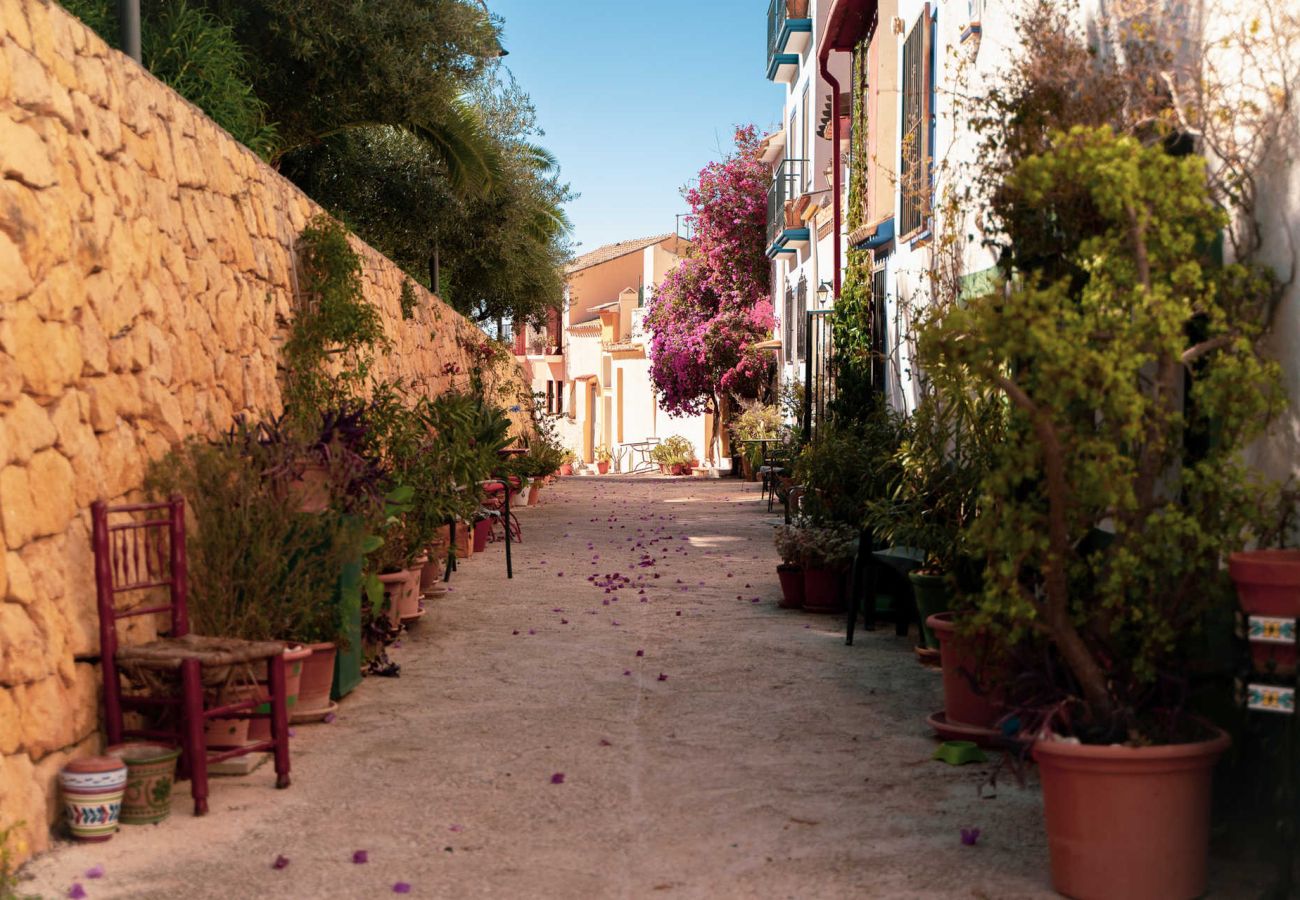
point(755, 422)
point(673, 451)
point(852, 465)
point(1134, 383)
point(258, 568)
point(817, 547)
point(407, 300)
point(602, 454)
point(11, 837)
point(199, 57)
point(334, 330)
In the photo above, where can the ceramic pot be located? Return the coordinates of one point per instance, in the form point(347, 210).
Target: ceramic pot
point(395, 587)
point(150, 774)
point(791, 577)
point(464, 540)
point(823, 590)
point(431, 571)
point(602, 467)
point(408, 606)
point(317, 677)
point(796, 9)
point(533, 490)
point(482, 530)
point(294, 657)
point(676, 469)
point(932, 597)
point(1128, 823)
point(1268, 586)
point(566, 469)
point(963, 704)
point(92, 796)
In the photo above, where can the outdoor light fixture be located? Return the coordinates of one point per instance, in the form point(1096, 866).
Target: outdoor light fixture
point(823, 294)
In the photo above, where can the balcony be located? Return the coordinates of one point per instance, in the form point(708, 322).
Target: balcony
point(789, 30)
point(786, 230)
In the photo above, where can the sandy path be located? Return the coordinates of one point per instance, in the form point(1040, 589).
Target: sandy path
point(772, 762)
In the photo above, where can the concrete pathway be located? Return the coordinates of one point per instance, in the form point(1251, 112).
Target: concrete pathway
point(709, 746)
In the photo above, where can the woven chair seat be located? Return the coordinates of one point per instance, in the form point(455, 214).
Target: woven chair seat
point(169, 653)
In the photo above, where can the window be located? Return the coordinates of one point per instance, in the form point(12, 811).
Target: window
point(559, 398)
point(805, 113)
point(801, 311)
point(879, 339)
point(789, 324)
point(914, 162)
point(550, 398)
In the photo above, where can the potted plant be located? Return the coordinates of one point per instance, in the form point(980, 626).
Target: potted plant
point(566, 466)
point(790, 572)
point(1128, 358)
point(827, 552)
point(603, 456)
point(755, 422)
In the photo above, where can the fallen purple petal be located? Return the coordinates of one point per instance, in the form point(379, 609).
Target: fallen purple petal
point(640, 653)
point(96, 871)
point(280, 862)
point(663, 677)
point(532, 631)
point(76, 891)
point(627, 671)
point(969, 836)
point(557, 778)
point(401, 887)
point(605, 743)
point(360, 856)
point(457, 828)
point(329, 717)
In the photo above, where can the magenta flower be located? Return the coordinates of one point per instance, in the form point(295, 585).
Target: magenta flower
point(401, 887)
point(280, 862)
point(969, 836)
point(76, 892)
point(360, 856)
point(557, 778)
point(95, 871)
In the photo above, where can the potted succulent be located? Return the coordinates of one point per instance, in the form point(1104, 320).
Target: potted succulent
point(1128, 358)
point(790, 572)
point(827, 553)
point(603, 457)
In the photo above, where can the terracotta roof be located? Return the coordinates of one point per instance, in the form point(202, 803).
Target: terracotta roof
point(591, 325)
point(622, 346)
point(613, 251)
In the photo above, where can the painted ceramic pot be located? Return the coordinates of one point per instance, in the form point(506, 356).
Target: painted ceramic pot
point(92, 795)
point(151, 772)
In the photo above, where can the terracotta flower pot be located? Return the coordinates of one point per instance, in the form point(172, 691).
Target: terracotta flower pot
point(1128, 823)
point(602, 467)
point(1268, 586)
point(431, 571)
point(566, 469)
point(482, 529)
point(294, 657)
point(963, 704)
point(533, 490)
point(408, 606)
point(932, 597)
point(464, 540)
point(317, 678)
point(92, 795)
point(395, 587)
point(676, 469)
point(823, 590)
point(791, 577)
point(151, 772)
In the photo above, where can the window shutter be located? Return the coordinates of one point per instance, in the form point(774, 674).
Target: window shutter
point(801, 310)
point(914, 162)
point(790, 324)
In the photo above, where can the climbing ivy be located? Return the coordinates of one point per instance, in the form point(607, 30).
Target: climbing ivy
point(407, 299)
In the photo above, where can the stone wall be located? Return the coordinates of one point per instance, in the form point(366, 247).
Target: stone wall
point(146, 271)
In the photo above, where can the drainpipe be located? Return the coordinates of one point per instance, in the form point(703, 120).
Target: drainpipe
point(128, 17)
point(823, 58)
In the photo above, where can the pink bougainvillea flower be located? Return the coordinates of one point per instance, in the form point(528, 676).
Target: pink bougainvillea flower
point(401, 887)
point(516, 631)
point(280, 862)
point(640, 653)
point(615, 622)
point(457, 828)
point(76, 892)
point(627, 671)
point(95, 871)
point(564, 621)
point(663, 677)
point(360, 856)
point(329, 717)
point(969, 836)
point(605, 743)
point(557, 609)
point(559, 574)
point(557, 778)
point(532, 631)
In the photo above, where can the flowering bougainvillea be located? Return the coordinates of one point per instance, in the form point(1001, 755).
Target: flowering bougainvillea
point(711, 310)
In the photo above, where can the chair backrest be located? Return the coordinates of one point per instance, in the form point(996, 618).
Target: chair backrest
point(138, 548)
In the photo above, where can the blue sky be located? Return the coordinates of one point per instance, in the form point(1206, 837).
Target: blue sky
point(635, 96)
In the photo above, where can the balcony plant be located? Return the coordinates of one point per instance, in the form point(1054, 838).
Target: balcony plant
point(1133, 381)
point(755, 422)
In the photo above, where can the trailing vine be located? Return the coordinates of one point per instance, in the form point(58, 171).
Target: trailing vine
point(407, 299)
point(335, 330)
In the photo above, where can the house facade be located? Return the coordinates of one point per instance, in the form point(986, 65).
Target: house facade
point(590, 360)
point(801, 239)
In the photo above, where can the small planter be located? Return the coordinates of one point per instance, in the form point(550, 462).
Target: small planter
point(823, 590)
point(92, 795)
point(932, 597)
point(1268, 586)
point(395, 587)
point(408, 607)
point(314, 686)
point(791, 577)
point(482, 530)
point(151, 772)
point(676, 469)
point(533, 490)
point(566, 469)
point(1128, 822)
point(602, 467)
point(464, 540)
point(963, 704)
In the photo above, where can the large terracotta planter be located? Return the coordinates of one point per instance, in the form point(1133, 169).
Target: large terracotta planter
point(431, 571)
point(823, 590)
point(932, 597)
point(92, 795)
point(1128, 823)
point(317, 677)
point(395, 587)
point(791, 577)
point(1268, 586)
point(408, 606)
point(968, 695)
point(151, 772)
point(533, 490)
point(566, 469)
point(294, 657)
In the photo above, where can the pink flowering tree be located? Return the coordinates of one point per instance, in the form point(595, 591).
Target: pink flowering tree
point(711, 310)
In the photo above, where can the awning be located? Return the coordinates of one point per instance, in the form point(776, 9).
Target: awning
point(848, 23)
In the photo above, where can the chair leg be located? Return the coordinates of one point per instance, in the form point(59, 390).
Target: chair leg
point(196, 749)
point(279, 721)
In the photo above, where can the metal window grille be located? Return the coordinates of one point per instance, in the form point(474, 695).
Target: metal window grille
point(790, 324)
point(801, 308)
point(879, 336)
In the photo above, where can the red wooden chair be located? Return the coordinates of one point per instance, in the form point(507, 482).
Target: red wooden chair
point(140, 549)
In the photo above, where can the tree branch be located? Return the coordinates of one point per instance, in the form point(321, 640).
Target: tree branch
point(1195, 352)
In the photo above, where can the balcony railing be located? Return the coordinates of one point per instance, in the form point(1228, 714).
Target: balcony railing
point(784, 226)
point(788, 31)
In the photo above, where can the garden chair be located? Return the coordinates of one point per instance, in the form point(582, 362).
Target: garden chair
point(140, 550)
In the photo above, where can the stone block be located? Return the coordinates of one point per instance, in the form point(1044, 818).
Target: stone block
point(23, 799)
point(47, 716)
point(28, 429)
point(51, 479)
point(24, 156)
point(56, 364)
point(94, 346)
point(113, 397)
point(23, 656)
point(8, 722)
point(17, 509)
point(15, 280)
point(20, 588)
point(14, 23)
